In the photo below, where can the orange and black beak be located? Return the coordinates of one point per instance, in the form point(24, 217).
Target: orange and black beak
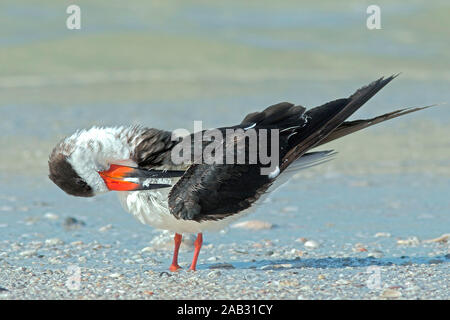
point(124, 178)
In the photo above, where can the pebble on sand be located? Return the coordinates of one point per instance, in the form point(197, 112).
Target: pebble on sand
point(115, 275)
point(214, 274)
point(51, 216)
point(359, 247)
point(253, 225)
point(382, 235)
point(341, 282)
point(376, 254)
point(105, 228)
point(411, 241)
point(53, 242)
point(311, 244)
point(391, 293)
point(71, 223)
point(277, 266)
point(442, 239)
point(28, 253)
point(54, 260)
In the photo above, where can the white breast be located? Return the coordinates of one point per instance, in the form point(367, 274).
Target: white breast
point(152, 208)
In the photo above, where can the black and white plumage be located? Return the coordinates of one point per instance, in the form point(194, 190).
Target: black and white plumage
point(202, 196)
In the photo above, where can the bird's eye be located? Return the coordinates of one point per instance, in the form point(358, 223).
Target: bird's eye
point(82, 183)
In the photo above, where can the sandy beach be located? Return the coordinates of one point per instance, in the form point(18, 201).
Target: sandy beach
point(340, 249)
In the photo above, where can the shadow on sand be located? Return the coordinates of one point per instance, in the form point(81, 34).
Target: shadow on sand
point(325, 263)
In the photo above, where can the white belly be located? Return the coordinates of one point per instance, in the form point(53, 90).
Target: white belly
point(151, 207)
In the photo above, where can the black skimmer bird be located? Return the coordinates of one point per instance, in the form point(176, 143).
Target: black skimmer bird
point(197, 197)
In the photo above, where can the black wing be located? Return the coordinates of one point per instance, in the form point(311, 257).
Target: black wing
point(211, 192)
point(154, 149)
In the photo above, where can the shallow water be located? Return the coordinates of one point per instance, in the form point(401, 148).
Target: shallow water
point(166, 65)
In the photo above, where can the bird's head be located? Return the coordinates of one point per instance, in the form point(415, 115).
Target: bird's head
point(62, 173)
point(81, 163)
point(98, 160)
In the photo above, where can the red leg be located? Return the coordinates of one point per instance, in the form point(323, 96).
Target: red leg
point(174, 266)
point(198, 245)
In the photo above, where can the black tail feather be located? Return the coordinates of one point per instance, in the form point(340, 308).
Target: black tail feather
point(349, 127)
point(324, 119)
